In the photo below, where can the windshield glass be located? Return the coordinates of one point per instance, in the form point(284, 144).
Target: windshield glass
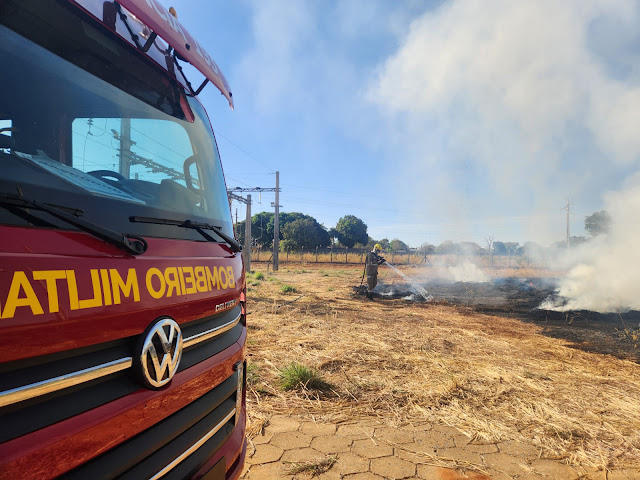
point(78, 141)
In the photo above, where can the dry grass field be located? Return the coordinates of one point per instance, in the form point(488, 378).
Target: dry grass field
point(494, 378)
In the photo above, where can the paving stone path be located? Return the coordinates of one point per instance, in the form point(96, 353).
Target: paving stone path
point(366, 450)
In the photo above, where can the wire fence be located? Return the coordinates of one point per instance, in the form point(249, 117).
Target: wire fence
point(355, 256)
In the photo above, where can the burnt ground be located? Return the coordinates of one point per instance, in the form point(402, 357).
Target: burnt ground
point(616, 334)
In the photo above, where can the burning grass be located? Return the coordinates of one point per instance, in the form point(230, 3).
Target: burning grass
point(492, 378)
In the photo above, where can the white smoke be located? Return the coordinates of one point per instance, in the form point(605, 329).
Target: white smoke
point(465, 272)
point(604, 273)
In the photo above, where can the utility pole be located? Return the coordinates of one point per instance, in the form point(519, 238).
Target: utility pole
point(247, 237)
point(276, 230)
point(247, 228)
point(125, 147)
point(567, 207)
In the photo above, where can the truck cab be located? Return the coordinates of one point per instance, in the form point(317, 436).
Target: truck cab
point(122, 291)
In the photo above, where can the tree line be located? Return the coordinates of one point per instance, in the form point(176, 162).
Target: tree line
point(303, 232)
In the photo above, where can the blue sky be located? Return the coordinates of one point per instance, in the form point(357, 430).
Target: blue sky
point(429, 120)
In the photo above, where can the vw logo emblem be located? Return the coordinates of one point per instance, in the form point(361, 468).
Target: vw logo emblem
point(159, 353)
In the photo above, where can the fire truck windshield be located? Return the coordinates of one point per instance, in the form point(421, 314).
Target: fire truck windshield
point(115, 149)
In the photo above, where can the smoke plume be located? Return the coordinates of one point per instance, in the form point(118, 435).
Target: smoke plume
point(503, 109)
point(603, 273)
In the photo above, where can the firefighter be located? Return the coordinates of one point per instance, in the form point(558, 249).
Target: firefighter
point(371, 268)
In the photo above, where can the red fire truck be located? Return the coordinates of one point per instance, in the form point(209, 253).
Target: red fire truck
point(122, 292)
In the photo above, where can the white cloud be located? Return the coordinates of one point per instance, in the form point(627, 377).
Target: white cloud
point(275, 67)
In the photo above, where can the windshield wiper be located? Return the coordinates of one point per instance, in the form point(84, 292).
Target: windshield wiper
point(197, 226)
point(131, 243)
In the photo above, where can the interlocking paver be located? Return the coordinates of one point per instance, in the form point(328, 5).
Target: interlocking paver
point(363, 476)
point(554, 469)
point(289, 440)
point(393, 435)
point(318, 429)
point(330, 475)
point(434, 440)
point(349, 463)
point(451, 432)
point(332, 444)
point(414, 452)
point(478, 447)
point(429, 472)
point(262, 438)
point(281, 423)
point(501, 462)
point(418, 427)
point(496, 475)
point(393, 468)
point(268, 471)
point(460, 455)
point(265, 454)
point(298, 455)
point(369, 449)
point(355, 431)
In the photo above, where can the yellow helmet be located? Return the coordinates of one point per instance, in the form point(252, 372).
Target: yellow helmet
point(377, 247)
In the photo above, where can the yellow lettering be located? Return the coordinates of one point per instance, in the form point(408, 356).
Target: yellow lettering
point(181, 280)
point(106, 286)
point(231, 277)
point(212, 274)
point(50, 277)
point(96, 301)
point(222, 284)
point(171, 277)
point(72, 286)
point(189, 280)
point(21, 282)
point(201, 280)
point(126, 287)
point(154, 272)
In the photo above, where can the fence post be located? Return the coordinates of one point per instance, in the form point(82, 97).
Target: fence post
point(316, 254)
point(287, 255)
point(331, 249)
point(346, 257)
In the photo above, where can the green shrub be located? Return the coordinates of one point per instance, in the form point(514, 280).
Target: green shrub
point(252, 373)
point(288, 289)
point(295, 376)
point(259, 276)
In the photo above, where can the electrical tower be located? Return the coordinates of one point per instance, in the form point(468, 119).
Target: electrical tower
point(232, 195)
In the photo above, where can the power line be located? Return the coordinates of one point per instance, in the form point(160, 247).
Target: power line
point(288, 185)
point(218, 133)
